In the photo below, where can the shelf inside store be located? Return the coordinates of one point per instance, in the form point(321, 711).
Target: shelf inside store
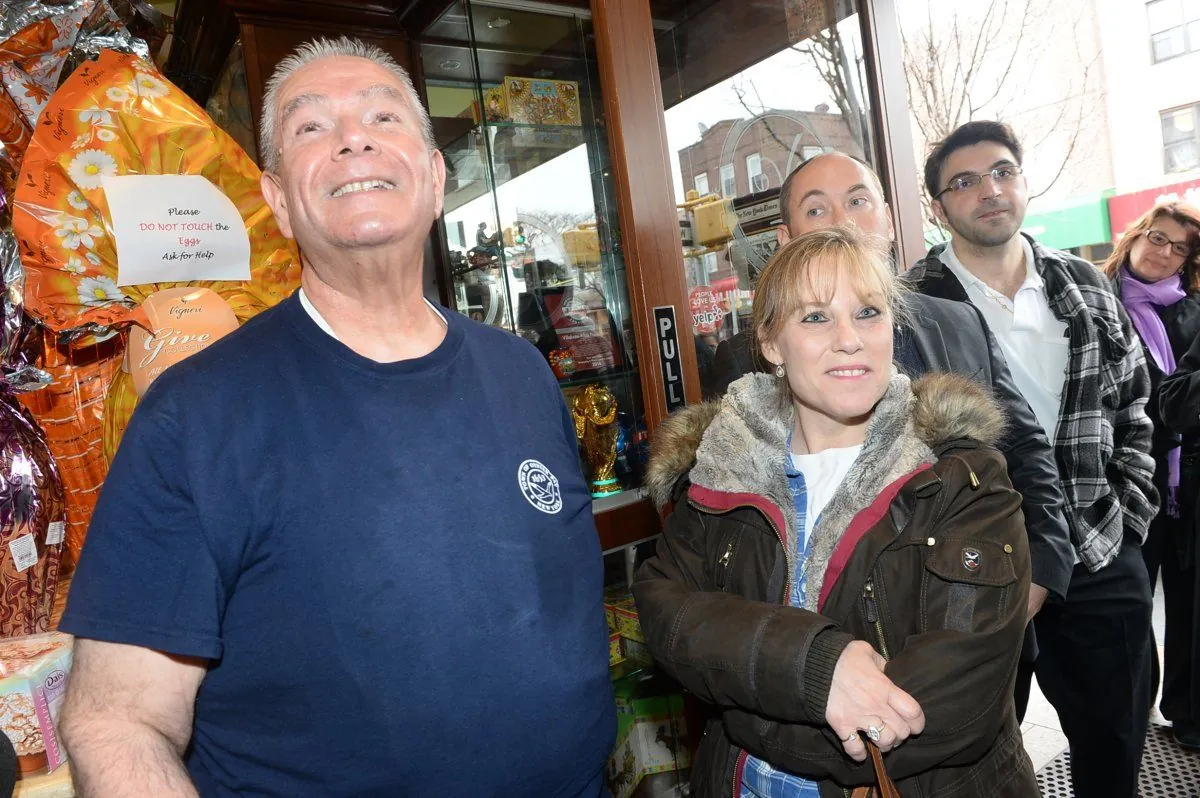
point(516, 149)
point(614, 375)
point(626, 524)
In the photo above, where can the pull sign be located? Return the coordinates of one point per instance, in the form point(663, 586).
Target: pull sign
point(667, 332)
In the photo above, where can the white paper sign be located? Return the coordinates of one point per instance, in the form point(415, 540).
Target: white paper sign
point(56, 533)
point(175, 228)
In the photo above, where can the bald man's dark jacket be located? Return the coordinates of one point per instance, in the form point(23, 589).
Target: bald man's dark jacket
point(952, 336)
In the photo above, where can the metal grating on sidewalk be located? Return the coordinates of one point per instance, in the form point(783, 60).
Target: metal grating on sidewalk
point(1167, 770)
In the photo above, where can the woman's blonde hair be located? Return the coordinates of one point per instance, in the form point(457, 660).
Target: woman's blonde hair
point(1186, 215)
point(806, 270)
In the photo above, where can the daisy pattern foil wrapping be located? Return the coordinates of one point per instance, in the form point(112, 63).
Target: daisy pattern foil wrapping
point(119, 116)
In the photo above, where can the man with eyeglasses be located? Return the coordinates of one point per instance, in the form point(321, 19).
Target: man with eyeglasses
point(1076, 359)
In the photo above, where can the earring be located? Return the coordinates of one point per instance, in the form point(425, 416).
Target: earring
point(780, 371)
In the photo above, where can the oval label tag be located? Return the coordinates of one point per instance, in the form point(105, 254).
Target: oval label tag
point(174, 324)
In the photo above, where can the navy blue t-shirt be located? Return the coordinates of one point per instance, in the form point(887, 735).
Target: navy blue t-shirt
point(393, 567)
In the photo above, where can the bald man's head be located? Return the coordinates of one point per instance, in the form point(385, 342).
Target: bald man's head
point(831, 189)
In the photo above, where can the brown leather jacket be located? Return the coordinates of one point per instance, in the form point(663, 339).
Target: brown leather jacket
point(921, 552)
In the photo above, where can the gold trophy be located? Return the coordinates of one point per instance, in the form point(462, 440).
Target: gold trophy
point(595, 412)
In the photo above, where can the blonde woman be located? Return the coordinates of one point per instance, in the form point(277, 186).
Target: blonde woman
point(846, 561)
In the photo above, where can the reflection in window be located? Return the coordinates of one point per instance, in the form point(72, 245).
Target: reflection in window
point(728, 181)
point(754, 173)
point(752, 90)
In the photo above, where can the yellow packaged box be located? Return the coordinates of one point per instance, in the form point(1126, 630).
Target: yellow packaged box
point(542, 102)
point(616, 653)
point(33, 681)
point(624, 618)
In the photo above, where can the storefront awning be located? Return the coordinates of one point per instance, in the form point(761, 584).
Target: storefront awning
point(1124, 209)
point(1077, 222)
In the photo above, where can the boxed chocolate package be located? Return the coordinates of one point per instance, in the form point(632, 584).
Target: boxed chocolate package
point(622, 616)
point(33, 681)
point(651, 735)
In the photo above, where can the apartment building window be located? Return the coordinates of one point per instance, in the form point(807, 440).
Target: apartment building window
point(1174, 27)
point(758, 181)
point(728, 186)
point(1181, 147)
point(701, 184)
point(810, 151)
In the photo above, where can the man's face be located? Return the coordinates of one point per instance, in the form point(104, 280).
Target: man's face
point(354, 171)
point(991, 213)
point(835, 189)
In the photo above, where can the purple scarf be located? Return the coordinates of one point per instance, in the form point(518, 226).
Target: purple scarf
point(1142, 301)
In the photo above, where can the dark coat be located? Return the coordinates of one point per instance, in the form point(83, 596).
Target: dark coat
point(887, 565)
point(1177, 405)
point(952, 336)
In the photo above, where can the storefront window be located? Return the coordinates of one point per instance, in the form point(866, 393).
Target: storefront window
point(751, 91)
point(531, 231)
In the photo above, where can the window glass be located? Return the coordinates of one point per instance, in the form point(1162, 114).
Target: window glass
point(1164, 14)
point(701, 184)
point(751, 90)
point(531, 230)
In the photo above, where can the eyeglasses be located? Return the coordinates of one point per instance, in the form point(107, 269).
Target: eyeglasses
point(1000, 175)
point(1159, 239)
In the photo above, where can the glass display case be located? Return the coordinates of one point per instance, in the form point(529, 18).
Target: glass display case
point(530, 232)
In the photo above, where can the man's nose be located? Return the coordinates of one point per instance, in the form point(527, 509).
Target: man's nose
point(988, 187)
point(355, 138)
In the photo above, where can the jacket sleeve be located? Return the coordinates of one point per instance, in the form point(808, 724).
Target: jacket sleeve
point(1130, 468)
point(962, 666)
point(1179, 394)
point(1034, 473)
point(765, 658)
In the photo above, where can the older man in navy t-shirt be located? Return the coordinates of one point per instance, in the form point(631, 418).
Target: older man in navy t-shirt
point(347, 550)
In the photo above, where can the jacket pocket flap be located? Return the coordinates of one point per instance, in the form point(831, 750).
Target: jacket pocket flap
point(974, 562)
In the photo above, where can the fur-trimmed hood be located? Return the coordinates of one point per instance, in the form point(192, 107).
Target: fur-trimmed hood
point(737, 448)
point(947, 407)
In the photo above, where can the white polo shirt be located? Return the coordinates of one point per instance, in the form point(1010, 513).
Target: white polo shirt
point(1033, 340)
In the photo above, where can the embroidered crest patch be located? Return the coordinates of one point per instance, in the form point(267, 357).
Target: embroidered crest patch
point(971, 559)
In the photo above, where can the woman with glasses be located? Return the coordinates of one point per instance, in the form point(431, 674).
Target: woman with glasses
point(1154, 272)
point(846, 564)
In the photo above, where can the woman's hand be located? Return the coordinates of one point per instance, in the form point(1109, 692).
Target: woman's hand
point(861, 697)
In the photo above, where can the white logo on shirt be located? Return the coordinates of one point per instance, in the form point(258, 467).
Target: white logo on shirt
point(539, 486)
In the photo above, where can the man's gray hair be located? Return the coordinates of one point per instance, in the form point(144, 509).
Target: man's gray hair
point(314, 51)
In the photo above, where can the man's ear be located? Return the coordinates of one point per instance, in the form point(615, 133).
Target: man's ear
point(782, 236)
point(438, 162)
point(887, 211)
point(274, 195)
point(939, 212)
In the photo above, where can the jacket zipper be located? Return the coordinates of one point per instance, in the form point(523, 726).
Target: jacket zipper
point(723, 566)
point(871, 611)
point(787, 587)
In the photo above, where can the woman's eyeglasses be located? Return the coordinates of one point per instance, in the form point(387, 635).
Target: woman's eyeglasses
point(1159, 239)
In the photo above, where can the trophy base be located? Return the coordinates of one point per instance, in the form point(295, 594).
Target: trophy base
point(605, 487)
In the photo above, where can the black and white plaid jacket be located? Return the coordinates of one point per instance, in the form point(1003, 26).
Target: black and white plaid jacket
point(1103, 442)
